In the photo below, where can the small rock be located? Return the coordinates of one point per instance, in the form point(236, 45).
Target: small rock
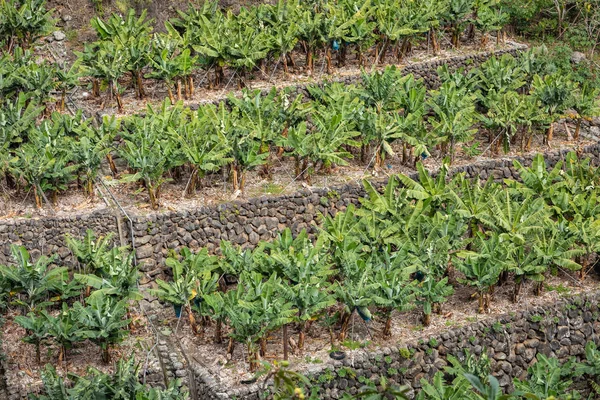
point(577, 57)
point(66, 18)
point(59, 36)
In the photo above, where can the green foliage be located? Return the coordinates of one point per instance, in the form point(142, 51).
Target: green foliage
point(123, 384)
point(23, 22)
point(32, 283)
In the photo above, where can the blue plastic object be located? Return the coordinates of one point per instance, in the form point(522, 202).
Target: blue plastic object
point(335, 45)
point(177, 308)
point(423, 155)
point(364, 313)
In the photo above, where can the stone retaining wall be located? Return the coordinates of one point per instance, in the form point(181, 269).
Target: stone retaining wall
point(512, 341)
point(244, 222)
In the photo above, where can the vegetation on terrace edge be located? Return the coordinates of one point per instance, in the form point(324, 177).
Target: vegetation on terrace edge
point(547, 378)
point(399, 251)
point(512, 99)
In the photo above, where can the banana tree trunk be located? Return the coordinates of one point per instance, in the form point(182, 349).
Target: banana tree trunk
point(170, 92)
point(345, 324)
point(481, 308)
point(230, 346)
point(191, 87)
point(301, 336)
point(118, 97)
point(192, 319)
point(434, 42)
point(191, 188)
point(106, 353)
point(152, 194)
point(252, 358)
point(284, 333)
point(140, 85)
point(550, 134)
point(387, 330)
point(234, 177)
point(517, 289)
point(309, 58)
point(426, 319)
point(38, 199)
point(263, 346)
point(577, 129)
point(285, 64)
point(328, 57)
point(95, 88)
point(178, 85)
point(219, 332)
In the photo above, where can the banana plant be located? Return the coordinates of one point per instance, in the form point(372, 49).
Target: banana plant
point(585, 103)
point(246, 46)
point(307, 268)
point(17, 117)
point(91, 251)
point(171, 65)
point(439, 389)
point(313, 25)
point(497, 76)
point(258, 119)
point(132, 33)
point(431, 292)
point(103, 322)
point(556, 249)
point(555, 95)
point(591, 365)
point(255, 308)
point(547, 377)
point(106, 60)
point(490, 18)
point(470, 201)
point(453, 116)
point(65, 329)
point(333, 130)
point(148, 150)
point(507, 113)
point(456, 16)
point(215, 309)
point(482, 267)
point(517, 221)
point(37, 331)
point(204, 148)
point(355, 291)
point(180, 291)
point(393, 293)
point(32, 282)
point(117, 277)
point(283, 21)
point(88, 153)
point(24, 22)
point(123, 383)
point(44, 163)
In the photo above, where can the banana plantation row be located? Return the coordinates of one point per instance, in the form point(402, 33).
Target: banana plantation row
point(257, 39)
point(512, 99)
point(396, 252)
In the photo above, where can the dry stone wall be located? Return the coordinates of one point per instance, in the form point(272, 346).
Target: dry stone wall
point(512, 341)
point(244, 222)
